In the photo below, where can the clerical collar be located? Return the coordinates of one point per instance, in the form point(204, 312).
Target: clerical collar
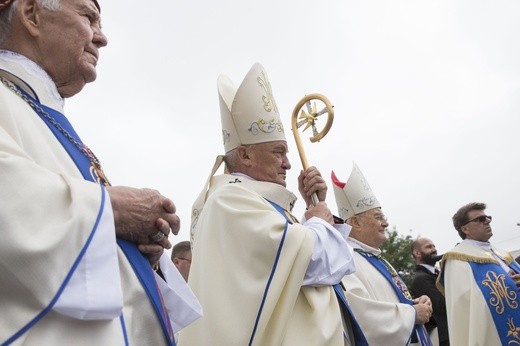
point(35, 70)
point(242, 175)
point(430, 268)
point(485, 245)
point(356, 244)
point(271, 191)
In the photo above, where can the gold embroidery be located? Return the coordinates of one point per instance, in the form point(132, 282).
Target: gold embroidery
point(269, 103)
point(513, 331)
point(265, 126)
point(500, 293)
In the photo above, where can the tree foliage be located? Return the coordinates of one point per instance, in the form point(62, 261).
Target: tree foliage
point(396, 250)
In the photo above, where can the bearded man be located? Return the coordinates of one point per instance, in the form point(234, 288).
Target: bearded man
point(423, 283)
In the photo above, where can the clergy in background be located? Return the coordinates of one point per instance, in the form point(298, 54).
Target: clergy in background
point(480, 283)
point(378, 297)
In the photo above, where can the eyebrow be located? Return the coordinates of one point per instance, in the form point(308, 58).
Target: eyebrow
point(281, 147)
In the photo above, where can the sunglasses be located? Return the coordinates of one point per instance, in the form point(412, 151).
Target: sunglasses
point(481, 219)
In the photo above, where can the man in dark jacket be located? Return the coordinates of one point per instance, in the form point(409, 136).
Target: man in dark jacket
point(425, 256)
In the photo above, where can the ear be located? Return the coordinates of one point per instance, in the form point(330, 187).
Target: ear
point(176, 261)
point(353, 221)
point(244, 155)
point(30, 16)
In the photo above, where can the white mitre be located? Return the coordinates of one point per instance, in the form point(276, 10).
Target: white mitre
point(355, 196)
point(249, 114)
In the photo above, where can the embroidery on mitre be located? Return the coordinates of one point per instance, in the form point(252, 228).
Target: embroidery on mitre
point(343, 211)
point(226, 136)
point(366, 202)
point(267, 99)
point(366, 187)
point(265, 126)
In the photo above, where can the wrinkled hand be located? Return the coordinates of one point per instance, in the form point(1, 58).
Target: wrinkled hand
point(320, 210)
point(423, 309)
point(141, 213)
point(152, 251)
point(309, 182)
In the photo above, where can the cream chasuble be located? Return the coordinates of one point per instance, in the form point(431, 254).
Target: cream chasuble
point(469, 318)
point(383, 319)
point(235, 244)
point(48, 212)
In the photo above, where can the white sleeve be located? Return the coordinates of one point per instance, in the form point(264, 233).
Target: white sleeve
point(94, 290)
point(182, 305)
point(332, 257)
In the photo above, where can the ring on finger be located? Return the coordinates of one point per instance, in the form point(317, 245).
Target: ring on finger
point(157, 236)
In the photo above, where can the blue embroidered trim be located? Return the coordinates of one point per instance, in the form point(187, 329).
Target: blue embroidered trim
point(359, 336)
point(65, 281)
point(123, 327)
point(281, 211)
point(502, 298)
point(422, 334)
point(83, 165)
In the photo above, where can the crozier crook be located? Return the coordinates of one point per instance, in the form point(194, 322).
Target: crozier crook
point(300, 117)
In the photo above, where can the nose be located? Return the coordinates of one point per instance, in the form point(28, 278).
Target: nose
point(99, 38)
point(286, 164)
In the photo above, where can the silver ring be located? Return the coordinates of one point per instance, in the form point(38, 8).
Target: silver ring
point(157, 236)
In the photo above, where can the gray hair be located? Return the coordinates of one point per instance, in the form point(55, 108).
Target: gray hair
point(231, 157)
point(6, 17)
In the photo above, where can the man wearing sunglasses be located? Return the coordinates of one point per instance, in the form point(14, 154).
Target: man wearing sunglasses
point(480, 283)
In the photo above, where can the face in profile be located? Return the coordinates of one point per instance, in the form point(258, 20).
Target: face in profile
point(69, 41)
point(373, 224)
point(269, 162)
point(427, 251)
point(183, 264)
point(479, 226)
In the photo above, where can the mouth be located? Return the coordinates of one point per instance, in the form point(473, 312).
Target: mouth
point(94, 54)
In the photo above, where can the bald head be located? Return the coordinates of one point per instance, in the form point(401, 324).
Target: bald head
point(424, 251)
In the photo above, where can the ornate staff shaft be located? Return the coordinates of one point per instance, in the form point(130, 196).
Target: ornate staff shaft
point(300, 118)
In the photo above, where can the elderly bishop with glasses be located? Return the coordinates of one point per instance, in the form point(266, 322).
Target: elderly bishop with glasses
point(382, 310)
point(480, 283)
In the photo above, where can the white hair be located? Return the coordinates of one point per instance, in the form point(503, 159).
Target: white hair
point(6, 17)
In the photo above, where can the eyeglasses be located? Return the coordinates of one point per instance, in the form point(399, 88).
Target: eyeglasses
point(186, 259)
point(481, 219)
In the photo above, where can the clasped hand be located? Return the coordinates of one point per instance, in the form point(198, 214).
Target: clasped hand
point(140, 214)
point(423, 309)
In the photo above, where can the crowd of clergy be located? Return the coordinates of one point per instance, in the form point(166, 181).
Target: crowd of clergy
point(82, 262)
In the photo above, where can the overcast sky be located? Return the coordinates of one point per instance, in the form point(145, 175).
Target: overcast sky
point(426, 97)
